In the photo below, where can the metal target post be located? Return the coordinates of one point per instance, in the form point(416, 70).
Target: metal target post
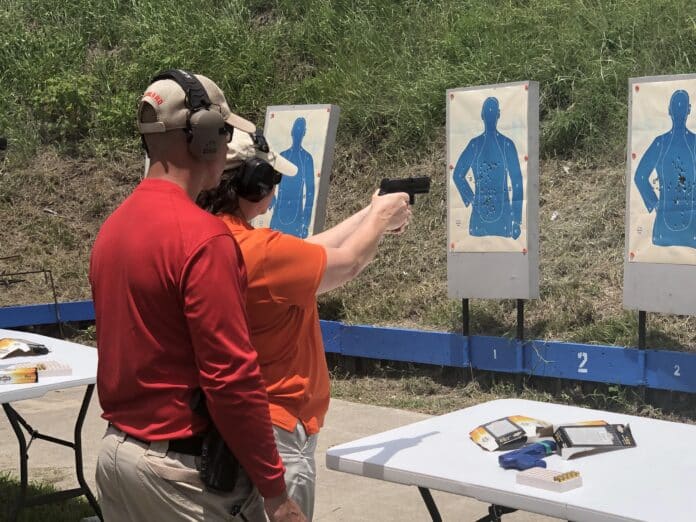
point(520, 338)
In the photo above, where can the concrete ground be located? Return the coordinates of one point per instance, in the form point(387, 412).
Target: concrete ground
point(340, 496)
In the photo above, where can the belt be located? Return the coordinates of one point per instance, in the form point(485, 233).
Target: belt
point(189, 446)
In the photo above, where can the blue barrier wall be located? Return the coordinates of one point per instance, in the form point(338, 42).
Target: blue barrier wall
point(660, 369)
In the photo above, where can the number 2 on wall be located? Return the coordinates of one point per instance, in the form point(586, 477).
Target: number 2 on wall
point(677, 371)
point(583, 361)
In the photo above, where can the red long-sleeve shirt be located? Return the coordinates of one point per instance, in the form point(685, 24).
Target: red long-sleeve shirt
point(169, 284)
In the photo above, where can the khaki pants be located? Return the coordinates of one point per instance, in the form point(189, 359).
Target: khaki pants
point(297, 451)
point(145, 482)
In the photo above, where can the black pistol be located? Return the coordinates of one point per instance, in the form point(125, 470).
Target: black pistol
point(411, 186)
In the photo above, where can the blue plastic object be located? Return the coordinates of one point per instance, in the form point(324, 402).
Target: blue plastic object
point(530, 456)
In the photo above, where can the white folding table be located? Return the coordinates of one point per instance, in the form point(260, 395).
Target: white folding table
point(83, 361)
point(655, 481)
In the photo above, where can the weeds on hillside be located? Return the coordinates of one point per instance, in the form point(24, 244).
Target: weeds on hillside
point(72, 71)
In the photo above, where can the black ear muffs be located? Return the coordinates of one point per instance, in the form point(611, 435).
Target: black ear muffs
point(257, 179)
point(206, 130)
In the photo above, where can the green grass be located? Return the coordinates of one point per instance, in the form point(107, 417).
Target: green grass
point(437, 391)
point(72, 510)
point(72, 72)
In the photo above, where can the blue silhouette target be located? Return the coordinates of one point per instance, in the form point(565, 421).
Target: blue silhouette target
point(304, 135)
point(672, 156)
point(492, 191)
point(292, 205)
point(497, 196)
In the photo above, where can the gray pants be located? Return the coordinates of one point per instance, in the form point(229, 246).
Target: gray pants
point(145, 482)
point(297, 451)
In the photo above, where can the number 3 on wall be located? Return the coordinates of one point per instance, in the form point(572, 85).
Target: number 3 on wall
point(583, 361)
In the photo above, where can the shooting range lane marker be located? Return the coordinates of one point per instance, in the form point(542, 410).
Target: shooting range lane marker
point(451, 167)
point(637, 88)
point(633, 155)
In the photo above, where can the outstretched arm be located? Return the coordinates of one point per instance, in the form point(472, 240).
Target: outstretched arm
point(642, 178)
point(459, 176)
point(343, 263)
point(335, 236)
point(515, 173)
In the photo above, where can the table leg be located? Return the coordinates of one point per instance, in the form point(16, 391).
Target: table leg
point(21, 496)
point(495, 513)
point(430, 504)
point(78, 451)
point(16, 421)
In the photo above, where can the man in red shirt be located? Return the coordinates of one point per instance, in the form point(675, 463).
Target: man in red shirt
point(169, 284)
point(286, 274)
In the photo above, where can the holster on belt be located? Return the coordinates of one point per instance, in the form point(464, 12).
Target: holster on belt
point(219, 467)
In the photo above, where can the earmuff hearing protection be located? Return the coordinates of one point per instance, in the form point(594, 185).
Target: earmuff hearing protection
point(257, 177)
point(206, 130)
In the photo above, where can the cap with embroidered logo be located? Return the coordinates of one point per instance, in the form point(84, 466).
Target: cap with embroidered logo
point(168, 100)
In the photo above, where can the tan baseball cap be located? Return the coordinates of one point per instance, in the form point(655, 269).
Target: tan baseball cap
point(167, 99)
point(242, 147)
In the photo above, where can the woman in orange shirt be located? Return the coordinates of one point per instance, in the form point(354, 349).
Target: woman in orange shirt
point(285, 274)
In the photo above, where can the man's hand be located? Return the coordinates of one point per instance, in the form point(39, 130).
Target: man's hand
point(391, 209)
point(283, 509)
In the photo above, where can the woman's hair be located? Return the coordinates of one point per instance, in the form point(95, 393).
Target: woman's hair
point(223, 199)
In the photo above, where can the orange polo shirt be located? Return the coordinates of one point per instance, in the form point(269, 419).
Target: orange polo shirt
point(284, 273)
